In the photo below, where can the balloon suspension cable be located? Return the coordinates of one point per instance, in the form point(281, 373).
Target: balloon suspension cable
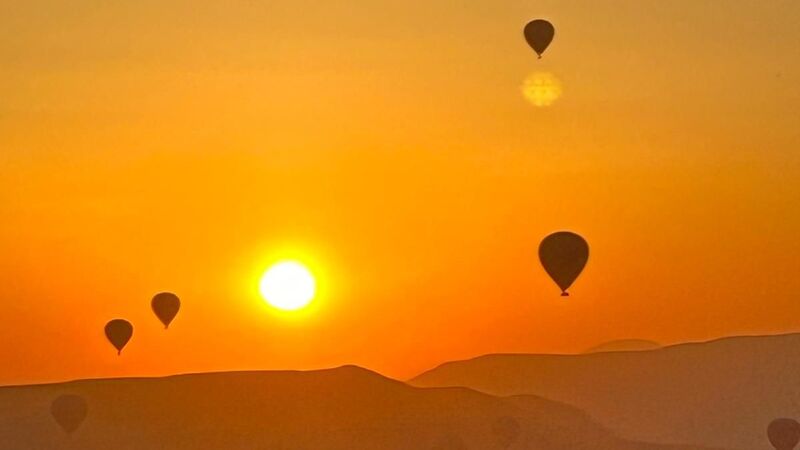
point(119, 352)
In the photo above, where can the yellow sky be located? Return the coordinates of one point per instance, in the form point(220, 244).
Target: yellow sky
point(183, 145)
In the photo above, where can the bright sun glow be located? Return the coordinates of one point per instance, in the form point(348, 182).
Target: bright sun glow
point(288, 285)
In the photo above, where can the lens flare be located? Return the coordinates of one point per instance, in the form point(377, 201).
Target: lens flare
point(541, 88)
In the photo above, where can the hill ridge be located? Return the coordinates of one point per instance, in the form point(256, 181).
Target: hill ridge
point(663, 348)
point(347, 407)
point(717, 393)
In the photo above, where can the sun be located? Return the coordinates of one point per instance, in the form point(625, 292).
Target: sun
point(288, 285)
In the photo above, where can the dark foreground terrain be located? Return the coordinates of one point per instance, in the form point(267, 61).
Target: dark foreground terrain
point(721, 393)
point(344, 408)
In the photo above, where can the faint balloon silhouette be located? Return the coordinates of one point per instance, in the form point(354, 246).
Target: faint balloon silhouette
point(166, 306)
point(449, 442)
point(784, 434)
point(119, 332)
point(539, 34)
point(564, 255)
point(506, 431)
point(69, 411)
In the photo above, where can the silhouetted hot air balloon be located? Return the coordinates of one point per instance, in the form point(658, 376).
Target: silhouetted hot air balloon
point(784, 434)
point(539, 34)
point(69, 411)
point(449, 442)
point(119, 332)
point(564, 255)
point(166, 306)
point(506, 431)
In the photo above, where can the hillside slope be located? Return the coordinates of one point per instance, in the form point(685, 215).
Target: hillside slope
point(344, 408)
point(720, 393)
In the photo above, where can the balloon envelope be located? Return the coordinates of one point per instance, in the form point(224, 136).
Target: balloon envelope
point(69, 411)
point(166, 306)
point(784, 434)
point(119, 332)
point(539, 34)
point(506, 431)
point(564, 255)
point(450, 442)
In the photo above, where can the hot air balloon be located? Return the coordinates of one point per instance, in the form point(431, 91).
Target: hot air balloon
point(119, 332)
point(166, 306)
point(506, 431)
point(69, 411)
point(539, 34)
point(784, 434)
point(564, 255)
point(450, 442)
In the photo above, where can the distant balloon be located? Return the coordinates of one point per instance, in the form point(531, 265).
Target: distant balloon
point(784, 434)
point(539, 34)
point(564, 255)
point(69, 411)
point(506, 431)
point(166, 306)
point(119, 332)
point(450, 442)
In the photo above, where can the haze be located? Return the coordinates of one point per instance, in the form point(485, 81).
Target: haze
point(178, 146)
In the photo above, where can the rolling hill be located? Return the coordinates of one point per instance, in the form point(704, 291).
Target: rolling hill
point(720, 393)
point(343, 408)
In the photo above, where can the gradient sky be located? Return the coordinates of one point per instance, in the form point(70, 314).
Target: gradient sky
point(184, 145)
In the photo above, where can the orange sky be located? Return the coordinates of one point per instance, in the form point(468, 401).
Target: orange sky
point(183, 145)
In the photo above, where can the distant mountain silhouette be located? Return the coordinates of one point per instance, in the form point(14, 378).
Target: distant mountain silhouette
point(720, 394)
point(624, 345)
point(345, 408)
